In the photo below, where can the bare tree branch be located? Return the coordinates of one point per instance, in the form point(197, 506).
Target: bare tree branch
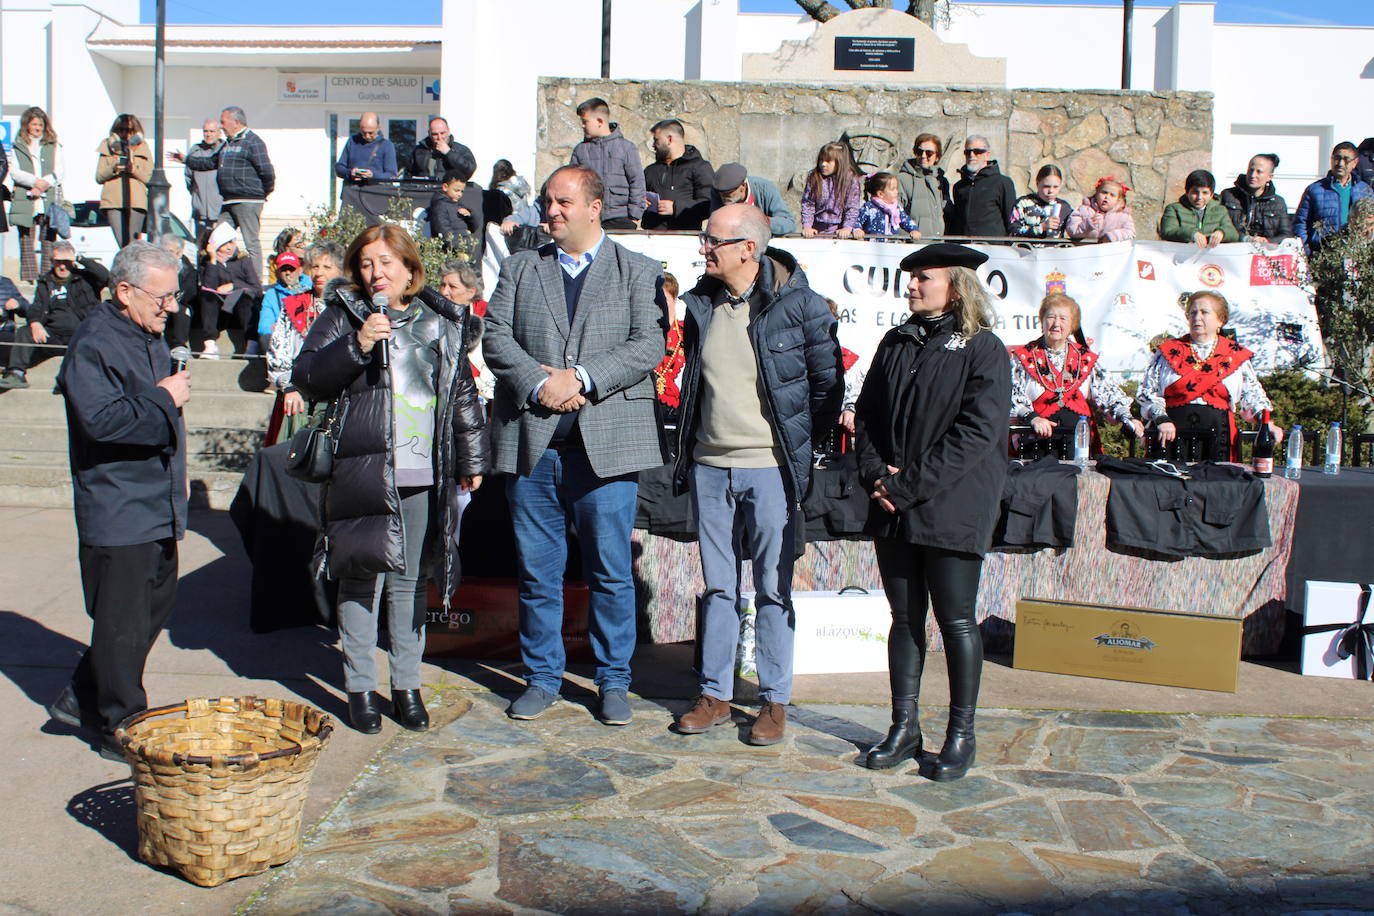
point(819, 10)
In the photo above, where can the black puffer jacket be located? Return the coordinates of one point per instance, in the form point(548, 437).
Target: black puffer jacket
point(687, 182)
point(799, 362)
point(982, 203)
point(362, 507)
point(938, 412)
point(1264, 214)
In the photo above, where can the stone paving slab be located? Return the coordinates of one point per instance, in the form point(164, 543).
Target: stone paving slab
point(1066, 814)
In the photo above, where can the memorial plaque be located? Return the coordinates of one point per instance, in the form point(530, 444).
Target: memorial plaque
point(854, 52)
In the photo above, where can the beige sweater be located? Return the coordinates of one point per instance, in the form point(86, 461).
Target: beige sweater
point(734, 431)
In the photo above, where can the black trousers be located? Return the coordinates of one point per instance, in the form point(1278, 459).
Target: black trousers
point(619, 222)
point(130, 592)
point(26, 357)
point(916, 578)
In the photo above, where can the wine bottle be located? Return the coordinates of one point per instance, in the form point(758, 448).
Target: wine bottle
point(1263, 454)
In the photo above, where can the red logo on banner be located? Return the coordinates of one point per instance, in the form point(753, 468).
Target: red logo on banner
point(1145, 270)
point(1275, 270)
point(1211, 275)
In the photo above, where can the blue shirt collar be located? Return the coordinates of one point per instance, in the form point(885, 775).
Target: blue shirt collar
point(574, 266)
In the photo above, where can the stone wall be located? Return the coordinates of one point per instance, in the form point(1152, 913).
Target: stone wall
point(1150, 139)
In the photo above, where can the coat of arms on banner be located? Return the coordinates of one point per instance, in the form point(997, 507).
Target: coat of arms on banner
point(1056, 282)
point(1211, 275)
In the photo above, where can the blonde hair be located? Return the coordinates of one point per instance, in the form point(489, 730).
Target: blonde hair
point(1054, 299)
point(972, 302)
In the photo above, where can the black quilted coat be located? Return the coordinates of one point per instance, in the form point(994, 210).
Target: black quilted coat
point(362, 507)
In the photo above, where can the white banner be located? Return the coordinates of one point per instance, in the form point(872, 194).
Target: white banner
point(1129, 292)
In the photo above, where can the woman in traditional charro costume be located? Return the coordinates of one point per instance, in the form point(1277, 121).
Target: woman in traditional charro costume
point(1055, 379)
point(1197, 381)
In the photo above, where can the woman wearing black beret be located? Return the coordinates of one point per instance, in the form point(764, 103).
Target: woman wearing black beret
point(932, 427)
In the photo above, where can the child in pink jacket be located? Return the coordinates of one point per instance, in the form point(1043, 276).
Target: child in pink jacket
point(1104, 217)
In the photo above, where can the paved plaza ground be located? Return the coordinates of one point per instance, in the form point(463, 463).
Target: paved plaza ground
point(1253, 802)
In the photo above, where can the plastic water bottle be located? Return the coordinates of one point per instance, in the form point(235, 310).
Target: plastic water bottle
point(1082, 440)
point(1292, 466)
point(1332, 464)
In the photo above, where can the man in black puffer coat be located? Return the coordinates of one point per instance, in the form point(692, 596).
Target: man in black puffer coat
point(762, 383)
point(983, 196)
point(682, 179)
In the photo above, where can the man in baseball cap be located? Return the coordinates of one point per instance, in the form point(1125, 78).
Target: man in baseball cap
point(732, 184)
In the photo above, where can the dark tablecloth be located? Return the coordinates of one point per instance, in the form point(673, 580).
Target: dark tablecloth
point(1333, 535)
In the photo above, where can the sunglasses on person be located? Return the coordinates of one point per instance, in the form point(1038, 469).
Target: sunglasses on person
point(982, 151)
point(711, 243)
point(64, 263)
point(923, 151)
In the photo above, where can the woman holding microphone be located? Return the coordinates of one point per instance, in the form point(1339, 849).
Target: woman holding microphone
point(931, 425)
point(414, 436)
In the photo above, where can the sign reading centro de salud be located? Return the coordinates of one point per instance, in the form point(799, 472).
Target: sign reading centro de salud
point(358, 88)
point(858, 52)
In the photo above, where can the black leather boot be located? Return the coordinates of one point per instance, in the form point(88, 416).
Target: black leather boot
point(903, 741)
point(960, 747)
point(363, 714)
point(409, 710)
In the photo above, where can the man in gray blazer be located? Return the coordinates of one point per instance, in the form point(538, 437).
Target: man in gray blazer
point(573, 331)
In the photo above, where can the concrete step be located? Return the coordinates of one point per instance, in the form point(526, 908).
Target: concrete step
point(212, 448)
point(225, 374)
point(48, 485)
point(234, 410)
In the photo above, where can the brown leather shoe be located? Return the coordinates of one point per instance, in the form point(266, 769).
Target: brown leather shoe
point(704, 716)
point(770, 724)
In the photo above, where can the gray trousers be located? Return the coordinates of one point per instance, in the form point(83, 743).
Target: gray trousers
point(757, 500)
point(247, 218)
point(360, 604)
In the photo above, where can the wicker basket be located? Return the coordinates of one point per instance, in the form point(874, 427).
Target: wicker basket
point(221, 786)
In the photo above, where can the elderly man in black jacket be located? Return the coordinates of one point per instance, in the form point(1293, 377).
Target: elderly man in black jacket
point(763, 382)
point(127, 442)
point(61, 301)
point(439, 153)
point(983, 196)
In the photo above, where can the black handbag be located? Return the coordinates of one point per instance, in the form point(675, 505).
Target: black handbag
point(310, 454)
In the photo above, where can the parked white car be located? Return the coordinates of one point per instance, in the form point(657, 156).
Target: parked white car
point(94, 238)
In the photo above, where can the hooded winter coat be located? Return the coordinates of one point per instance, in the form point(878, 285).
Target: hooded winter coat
point(936, 408)
point(925, 195)
point(1181, 222)
point(1319, 210)
point(982, 203)
point(800, 369)
point(362, 505)
point(687, 182)
point(1264, 214)
point(616, 160)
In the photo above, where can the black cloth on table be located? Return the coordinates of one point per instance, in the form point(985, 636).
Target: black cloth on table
point(661, 511)
point(278, 517)
point(1039, 506)
point(1332, 539)
point(1218, 510)
point(837, 506)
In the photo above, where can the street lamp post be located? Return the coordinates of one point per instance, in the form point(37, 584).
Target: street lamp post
point(157, 184)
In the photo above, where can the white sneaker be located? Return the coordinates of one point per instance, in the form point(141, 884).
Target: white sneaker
point(210, 351)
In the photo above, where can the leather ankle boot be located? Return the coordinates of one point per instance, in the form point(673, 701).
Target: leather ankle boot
point(409, 710)
point(960, 746)
point(903, 741)
point(363, 714)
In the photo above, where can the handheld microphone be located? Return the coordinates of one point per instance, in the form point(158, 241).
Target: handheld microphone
point(379, 304)
point(181, 358)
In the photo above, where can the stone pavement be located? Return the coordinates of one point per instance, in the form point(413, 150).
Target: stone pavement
point(1066, 812)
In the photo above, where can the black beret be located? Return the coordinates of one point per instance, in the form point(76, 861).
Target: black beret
point(943, 254)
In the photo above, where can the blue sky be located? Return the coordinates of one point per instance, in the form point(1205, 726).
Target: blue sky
point(427, 12)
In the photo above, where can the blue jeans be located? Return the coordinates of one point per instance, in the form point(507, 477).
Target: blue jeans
point(758, 499)
point(563, 488)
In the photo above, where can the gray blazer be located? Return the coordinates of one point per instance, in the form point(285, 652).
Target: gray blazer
point(617, 336)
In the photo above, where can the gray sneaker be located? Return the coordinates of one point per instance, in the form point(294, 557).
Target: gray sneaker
point(532, 703)
point(615, 707)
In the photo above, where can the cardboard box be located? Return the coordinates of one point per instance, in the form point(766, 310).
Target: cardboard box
point(1128, 644)
point(483, 621)
point(842, 632)
point(1330, 608)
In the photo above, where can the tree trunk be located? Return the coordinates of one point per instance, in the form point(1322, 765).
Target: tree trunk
point(818, 10)
point(923, 10)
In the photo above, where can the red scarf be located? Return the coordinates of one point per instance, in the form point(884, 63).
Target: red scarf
point(1204, 379)
point(1078, 367)
point(300, 311)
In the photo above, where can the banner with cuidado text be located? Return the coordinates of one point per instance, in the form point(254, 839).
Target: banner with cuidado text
point(1128, 292)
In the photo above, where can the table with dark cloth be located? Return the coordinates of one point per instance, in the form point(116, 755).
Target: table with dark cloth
point(1248, 587)
point(1333, 535)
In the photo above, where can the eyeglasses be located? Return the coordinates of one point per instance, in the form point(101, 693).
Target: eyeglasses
point(976, 152)
point(63, 263)
point(927, 152)
point(162, 301)
point(1343, 158)
point(711, 243)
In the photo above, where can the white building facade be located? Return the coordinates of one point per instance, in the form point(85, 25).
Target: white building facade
point(1294, 90)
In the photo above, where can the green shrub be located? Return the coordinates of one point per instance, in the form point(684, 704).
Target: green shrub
point(343, 226)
